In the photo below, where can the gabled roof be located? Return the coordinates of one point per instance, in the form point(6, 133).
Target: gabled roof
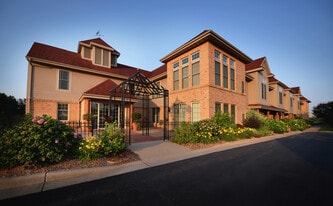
point(97, 41)
point(103, 88)
point(273, 80)
point(304, 99)
point(158, 71)
point(296, 90)
point(212, 37)
point(43, 53)
point(255, 64)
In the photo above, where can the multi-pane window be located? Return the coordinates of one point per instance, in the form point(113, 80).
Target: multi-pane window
point(156, 115)
point(280, 95)
point(195, 69)
point(87, 52)
point(243, 87)
point(176, 76)
point(185, 73)
point(176, 80)
point(179, 112)
point(63, 80)
point(225, 72)
point(225, 108)
point(62, 111)
point(102, 57)
point(217, 107)
point(232, 75)
point(217, 69)
point(99, 111)
point(263, 88)
point(233, 113)
point(195, 111)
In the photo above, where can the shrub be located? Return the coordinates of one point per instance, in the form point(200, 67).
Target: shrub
point(184, 134)
point(37, 141)
point(276, 126)
point(222, 120)
point(110, 142)
point(254, 119)
point(296, 124)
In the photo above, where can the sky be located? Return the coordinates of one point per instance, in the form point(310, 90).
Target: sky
point(296, 36)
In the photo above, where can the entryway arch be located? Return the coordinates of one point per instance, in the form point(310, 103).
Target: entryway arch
point(138, 88)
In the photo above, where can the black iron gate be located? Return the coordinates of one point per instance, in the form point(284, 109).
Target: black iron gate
point(138, 88)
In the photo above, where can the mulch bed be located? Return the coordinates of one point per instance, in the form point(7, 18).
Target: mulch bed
point(124, 157)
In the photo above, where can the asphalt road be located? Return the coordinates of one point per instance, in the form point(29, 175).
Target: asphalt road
point(297, 170)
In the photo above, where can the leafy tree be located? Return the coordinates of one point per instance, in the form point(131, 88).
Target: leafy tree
point(324, 111)
point(11, 111)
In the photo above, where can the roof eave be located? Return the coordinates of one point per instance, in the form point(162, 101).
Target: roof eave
point(212, 37)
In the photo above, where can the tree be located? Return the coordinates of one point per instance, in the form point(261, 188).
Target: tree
point(11, 110)
point(324, 111)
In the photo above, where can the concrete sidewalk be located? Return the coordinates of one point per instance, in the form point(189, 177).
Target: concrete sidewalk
point(152, 153)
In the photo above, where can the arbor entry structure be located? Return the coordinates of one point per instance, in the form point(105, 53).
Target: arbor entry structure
point(137, 88)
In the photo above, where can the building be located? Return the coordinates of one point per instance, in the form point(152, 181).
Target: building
point(204, 75)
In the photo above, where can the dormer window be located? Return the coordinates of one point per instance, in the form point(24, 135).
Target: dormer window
point(102, 57)
point(114, 60)
point(86, 52)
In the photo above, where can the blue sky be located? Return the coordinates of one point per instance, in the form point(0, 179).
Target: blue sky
point(294, 35)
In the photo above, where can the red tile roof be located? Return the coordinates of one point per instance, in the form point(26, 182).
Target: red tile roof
point(42, 52)
point(102, 88)
point(98, 41)
point(255, 64)
point(274, 80)
point(296, 90)
point(158, 70)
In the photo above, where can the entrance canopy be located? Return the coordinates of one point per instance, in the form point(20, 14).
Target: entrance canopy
point(138, 87)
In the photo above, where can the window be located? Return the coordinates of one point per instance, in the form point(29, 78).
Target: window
point(185, 77)
point(102, 57)
point(195, 56)
point(243, 87)
point(195, 74)
point(98, 56)
point(63, 80)
point(233, 113)
point(195, 69)
point(156, 115)
point(176, 80)
point(86, 52)
point(100, 111)
point(175, 65)
point(217, 107)
point(179, 112)
point(225, 72)
point(291, 100)
point(263, 88)
point(280, 95)
point(114, 59)
point(225, 108)
point(217, 69)
point(185, 61)
point(62, 111)
point(232, 75)
point(185, 73)
point(195, 111)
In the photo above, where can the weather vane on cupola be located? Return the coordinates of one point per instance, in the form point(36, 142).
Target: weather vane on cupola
point(98, 33)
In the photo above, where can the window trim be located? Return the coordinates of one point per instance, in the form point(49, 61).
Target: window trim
point(102, 57)
point(68, 81)
point(67, 111)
